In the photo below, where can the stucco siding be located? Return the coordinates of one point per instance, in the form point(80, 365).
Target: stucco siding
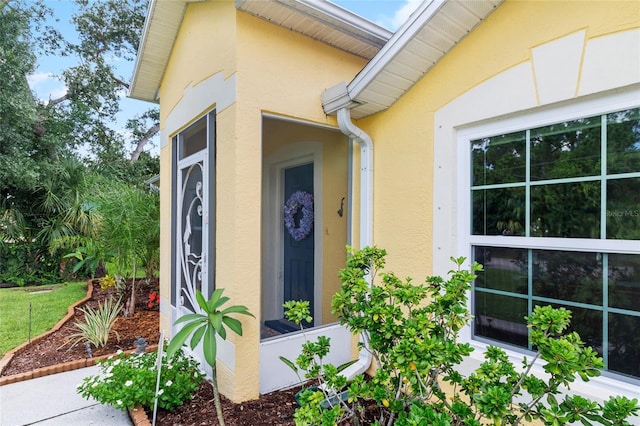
point(205, 46)
point(496, 63)
point(279, 72)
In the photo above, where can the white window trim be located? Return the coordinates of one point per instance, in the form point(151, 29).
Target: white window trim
point(599, 388)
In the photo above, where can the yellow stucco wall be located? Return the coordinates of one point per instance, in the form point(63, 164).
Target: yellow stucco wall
point(204, 47)
point(272, 70)
point(187, 67)
point(403, 135)
point(284, 73)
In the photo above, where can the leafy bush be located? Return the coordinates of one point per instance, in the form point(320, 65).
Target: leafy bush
point(413, 330)
point(128, 380)
point(325, 400)
point(107, 281)
point(23, 263)
point(97, 325)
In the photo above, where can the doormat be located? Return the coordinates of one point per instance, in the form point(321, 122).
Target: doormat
point(281, 326)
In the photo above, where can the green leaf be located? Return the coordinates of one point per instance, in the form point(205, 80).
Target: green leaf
point(220, 302)
point(190, 317)
point(214, 299)
point(201, 302)
point(238, 309)
point(210, 346)
point(197, 336)
point(233, 324)
point(222, 332)
point(289, 363)
point(178, 340)
point(216, 320)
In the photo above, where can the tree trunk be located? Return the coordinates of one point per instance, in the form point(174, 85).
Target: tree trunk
point(131, 304)
point(216, 395)
point(143, 141)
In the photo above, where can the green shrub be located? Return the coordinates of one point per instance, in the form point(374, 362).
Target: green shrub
point(413, 331)
point(97, 325)
point(128, 380)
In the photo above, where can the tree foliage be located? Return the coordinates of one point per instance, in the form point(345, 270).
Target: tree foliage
point(48, 147)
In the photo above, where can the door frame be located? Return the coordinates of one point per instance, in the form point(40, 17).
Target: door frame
point(198, 157)
point(273, 225)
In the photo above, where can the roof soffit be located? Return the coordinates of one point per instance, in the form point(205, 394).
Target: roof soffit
point(435, 28)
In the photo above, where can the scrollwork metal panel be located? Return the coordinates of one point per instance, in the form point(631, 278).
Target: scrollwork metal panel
point(191, 233)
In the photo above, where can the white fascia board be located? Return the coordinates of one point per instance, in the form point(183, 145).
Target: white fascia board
point(376, 33)
point(143, 42)
point(396, 44)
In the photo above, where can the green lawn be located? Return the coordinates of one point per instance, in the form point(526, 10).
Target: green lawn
point(48, 305)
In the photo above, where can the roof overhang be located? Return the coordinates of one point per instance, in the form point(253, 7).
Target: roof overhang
point(158, 35)
point(318, 19)
point(432, 30)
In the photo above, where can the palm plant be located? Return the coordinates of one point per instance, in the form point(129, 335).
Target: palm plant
point(129, 227)
point(206, 326)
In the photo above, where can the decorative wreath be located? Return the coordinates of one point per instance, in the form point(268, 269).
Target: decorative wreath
point(299, 200)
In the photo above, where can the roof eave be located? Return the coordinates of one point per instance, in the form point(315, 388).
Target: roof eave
point(353, 97)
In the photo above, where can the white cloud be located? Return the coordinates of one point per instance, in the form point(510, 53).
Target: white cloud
point(38, 79)
point(402, 14)
point(58, 92)
point(46, 86)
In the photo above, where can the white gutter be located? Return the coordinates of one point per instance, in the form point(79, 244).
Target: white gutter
point(366, 218)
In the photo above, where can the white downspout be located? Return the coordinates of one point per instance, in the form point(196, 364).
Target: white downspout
point(366, 217)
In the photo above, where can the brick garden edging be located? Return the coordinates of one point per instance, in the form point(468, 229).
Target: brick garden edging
point(138, 415)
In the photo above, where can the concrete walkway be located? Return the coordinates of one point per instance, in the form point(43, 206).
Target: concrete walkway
point(52, 400)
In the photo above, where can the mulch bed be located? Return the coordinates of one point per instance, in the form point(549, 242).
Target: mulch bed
point(276, 408)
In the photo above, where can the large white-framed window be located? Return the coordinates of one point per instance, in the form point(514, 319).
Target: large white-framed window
point(550, 205)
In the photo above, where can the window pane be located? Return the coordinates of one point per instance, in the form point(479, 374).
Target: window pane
point(499, 159)
point(194, 138)
point(565, 150)
point(624, 344)
point(587, 323)
point(501, 318)
point(498, 211)
point(567, 275)
point(569, 210)
point(623, 209)
point(504, 269)
point(623, 141)
point(624, 281)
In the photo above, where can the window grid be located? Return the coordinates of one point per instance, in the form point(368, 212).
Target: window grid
point(574, 243)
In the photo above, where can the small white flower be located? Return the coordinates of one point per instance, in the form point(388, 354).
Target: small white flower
point(119, 351)
point(95, 384)
point(119, 402)
point(128, 383)
point(161, 391)
point(106, 376)
point(116, 362)
point(169, 383)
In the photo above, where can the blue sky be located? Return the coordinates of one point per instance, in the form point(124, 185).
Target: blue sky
point(386, 13)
